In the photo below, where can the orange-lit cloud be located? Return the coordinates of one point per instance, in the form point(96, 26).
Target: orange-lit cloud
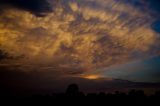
point(77, 37)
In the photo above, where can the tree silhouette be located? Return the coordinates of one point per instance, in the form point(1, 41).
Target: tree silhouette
point(72, 90)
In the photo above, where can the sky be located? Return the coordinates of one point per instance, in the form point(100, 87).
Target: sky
point(52, 40)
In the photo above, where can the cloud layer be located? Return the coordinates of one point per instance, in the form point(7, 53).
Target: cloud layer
point(76, 37)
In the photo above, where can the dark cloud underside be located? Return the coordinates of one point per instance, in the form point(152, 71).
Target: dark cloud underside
point(37, 7)
point(3, 55)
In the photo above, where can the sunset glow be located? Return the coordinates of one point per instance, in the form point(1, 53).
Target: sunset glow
point(92, 77)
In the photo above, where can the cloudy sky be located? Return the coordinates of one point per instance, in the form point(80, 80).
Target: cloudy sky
point(88, 39)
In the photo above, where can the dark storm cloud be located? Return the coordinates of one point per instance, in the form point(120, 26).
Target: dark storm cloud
point(3, 55)
point(37, 7)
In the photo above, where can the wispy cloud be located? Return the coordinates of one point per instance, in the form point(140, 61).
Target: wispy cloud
point(77, 37)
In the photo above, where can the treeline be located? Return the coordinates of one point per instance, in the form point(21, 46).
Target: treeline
point(74, 97)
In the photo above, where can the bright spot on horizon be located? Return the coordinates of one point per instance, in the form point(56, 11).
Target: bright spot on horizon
point(92, 77)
